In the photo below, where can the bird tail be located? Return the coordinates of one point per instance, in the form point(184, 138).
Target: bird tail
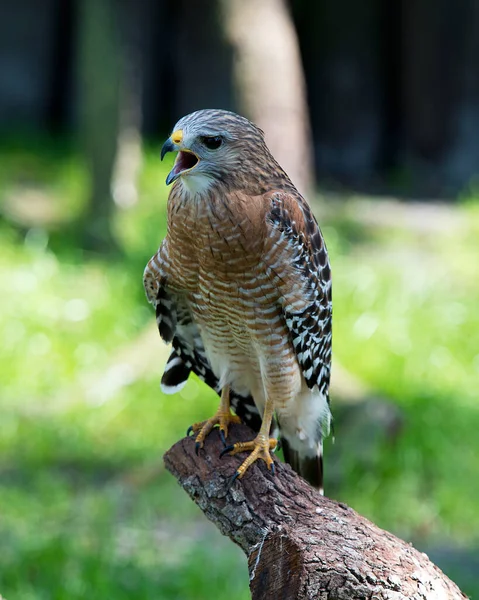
point(309, 467)
point(175, 375)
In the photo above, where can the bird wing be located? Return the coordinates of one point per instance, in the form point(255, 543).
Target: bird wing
point(177, 326)
point(295, 240)
point(296, 259)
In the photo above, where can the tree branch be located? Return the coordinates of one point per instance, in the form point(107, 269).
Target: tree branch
point(299, 544)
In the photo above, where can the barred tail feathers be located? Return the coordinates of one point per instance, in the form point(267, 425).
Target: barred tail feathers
point(175, 375)
point(310, 467)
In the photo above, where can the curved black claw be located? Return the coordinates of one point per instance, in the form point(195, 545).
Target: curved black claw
point(278, 446)
point(233, 479)
point(222, 436)
point(189, 430)
point(272, 470)
point(226, 450)
point(197, 448)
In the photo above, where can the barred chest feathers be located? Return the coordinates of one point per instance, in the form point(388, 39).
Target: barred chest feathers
point(216, 256)
point(214, 235)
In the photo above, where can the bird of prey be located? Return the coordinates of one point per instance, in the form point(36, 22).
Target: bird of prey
point(242, 289)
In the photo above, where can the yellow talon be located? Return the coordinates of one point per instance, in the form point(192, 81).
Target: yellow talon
point(223, 418)
point(259, 447)
point(203, 428)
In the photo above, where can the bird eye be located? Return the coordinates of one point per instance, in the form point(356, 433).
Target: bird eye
point(212, 142)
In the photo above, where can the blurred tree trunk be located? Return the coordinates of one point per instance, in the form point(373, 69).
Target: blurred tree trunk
point(99, 101)
point(269, 81)
point(133, 14)
point(110, 56)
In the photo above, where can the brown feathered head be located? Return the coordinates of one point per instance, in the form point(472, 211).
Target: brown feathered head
point(219, 146)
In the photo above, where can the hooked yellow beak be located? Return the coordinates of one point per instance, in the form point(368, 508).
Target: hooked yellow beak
point(169, 146)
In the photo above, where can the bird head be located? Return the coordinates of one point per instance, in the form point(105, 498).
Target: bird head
point(212, 145)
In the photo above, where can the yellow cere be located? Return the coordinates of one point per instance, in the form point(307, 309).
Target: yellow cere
point(177, 136)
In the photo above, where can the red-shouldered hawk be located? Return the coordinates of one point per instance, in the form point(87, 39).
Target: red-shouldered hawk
point(242, 289)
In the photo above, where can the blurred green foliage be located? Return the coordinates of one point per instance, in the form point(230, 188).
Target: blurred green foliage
point(86, 507)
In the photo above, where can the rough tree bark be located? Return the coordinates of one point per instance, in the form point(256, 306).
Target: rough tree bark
point(301, 545)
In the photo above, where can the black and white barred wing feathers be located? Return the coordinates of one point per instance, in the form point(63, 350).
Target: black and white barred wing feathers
point(296, 259)
point(177, 326)
point(304, 278)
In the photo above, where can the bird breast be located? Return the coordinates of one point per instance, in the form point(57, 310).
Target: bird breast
point(216, 259)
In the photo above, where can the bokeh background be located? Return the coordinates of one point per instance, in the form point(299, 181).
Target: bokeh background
point(373, 109)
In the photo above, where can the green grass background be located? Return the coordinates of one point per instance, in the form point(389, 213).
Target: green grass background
point(86, 508)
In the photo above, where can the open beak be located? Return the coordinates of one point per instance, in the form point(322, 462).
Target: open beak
point(185, 161)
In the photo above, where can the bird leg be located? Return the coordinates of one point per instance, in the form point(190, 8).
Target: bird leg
point(223, 417)
point(259, 447)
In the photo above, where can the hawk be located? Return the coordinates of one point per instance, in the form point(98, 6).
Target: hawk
point(242, 289)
